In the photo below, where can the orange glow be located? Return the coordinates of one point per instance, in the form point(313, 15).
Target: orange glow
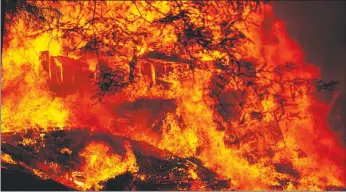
point(252, 141)
point(7, 159)
point(100, 165)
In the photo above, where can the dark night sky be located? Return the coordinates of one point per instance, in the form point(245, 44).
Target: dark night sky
point(320, 29)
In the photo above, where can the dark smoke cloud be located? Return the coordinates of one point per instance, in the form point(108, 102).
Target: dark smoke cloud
point(320, 29)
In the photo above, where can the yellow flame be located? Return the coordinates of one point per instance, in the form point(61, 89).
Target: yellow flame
point(100, 165)
point(7, 159)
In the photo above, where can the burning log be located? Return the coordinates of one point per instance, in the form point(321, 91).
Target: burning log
point(33, 164)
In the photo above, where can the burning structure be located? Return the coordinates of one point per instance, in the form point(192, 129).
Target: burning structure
point(167, 95)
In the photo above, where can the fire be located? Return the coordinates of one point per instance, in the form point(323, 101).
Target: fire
point(7, 159)
point(179, 76)
point(101, 165)
point(32, 103)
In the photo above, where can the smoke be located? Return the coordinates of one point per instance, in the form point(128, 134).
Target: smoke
point(320, 29)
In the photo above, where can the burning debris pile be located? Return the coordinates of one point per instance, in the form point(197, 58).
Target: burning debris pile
point(144, 166)
point(168, 95)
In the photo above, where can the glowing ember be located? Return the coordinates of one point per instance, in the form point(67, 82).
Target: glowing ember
point(220, 83)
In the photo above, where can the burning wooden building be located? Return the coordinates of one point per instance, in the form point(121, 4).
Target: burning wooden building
point(167, 95)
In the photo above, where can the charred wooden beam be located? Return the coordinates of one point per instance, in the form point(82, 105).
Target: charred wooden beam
point(18, 154)
point(32, 163)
